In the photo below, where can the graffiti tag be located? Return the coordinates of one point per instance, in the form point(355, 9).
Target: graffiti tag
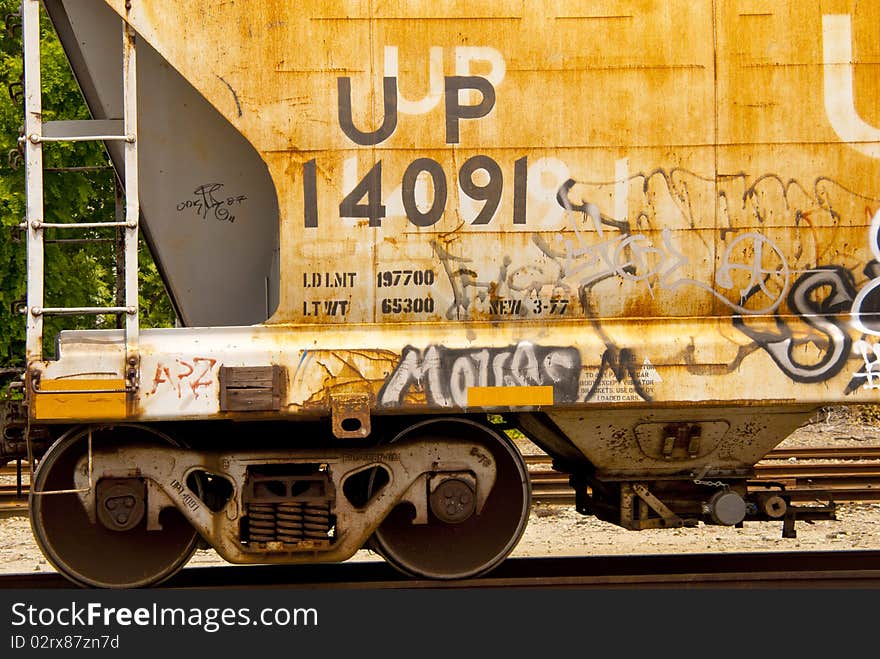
point(185, 376)
point(446, 374)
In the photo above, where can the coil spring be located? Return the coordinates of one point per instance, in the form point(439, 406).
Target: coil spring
point(289, 518)
point(316, 521)
point(261, 524)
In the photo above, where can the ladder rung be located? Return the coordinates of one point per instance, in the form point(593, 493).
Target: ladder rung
point(81, 311)
point(36, 224)
point(37, 139)
point(82, 129)
point(79, 241)
point(89, 168)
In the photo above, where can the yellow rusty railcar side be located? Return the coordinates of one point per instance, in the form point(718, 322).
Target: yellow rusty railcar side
point(590, 167)
point(701, 133)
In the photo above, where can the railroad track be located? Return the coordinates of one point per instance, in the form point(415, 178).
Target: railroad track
point(845, 569)
point(841, 482)
point(860, 453)
point(806, 474)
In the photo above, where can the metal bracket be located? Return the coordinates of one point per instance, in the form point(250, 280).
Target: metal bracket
point(350, 415)
point(657, 506)
point(788, 529)
point(132, 372)
point(16, 91)
point(635, 498)
point(14, 158)
point(681, 436)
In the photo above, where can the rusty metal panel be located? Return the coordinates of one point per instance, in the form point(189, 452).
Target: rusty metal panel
point(393, 171)
point(614, 202)
point(495, 107)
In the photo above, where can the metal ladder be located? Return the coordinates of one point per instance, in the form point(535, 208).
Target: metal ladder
point(37, 133)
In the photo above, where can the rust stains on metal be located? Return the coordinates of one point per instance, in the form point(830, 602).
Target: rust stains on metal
point(350, 415)
point(470, 199)
point(642, 170)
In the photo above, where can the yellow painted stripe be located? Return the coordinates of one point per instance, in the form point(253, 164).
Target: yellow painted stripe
point(509, 396)
point(50, 405)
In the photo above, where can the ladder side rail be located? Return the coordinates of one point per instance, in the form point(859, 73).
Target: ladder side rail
point(33, 114)
point(34, 215)
point(132, 202)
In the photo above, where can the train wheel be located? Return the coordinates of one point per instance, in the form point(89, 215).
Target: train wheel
point(92, 554)
point(461, 549)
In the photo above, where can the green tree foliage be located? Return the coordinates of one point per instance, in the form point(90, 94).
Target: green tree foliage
point(76, 274)
point(12, 258)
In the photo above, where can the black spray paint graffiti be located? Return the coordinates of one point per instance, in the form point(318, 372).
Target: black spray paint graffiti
point(208, 202)
point(643, 247)
point(447, 374)
point(623, 364)
point(467, 290)
point(821, 314)
point(866, 306)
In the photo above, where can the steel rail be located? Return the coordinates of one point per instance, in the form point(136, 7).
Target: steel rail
point(823, 569)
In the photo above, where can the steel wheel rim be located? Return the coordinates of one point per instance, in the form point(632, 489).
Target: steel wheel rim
point(476, 546)
point(89, 554)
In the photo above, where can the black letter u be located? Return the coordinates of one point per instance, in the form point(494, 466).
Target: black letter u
point(389, 123)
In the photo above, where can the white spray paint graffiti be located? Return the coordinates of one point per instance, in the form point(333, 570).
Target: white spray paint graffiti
point(751, 267)
point(465, 56)
point(870, 352)
point(630, 256)
point(840, 104)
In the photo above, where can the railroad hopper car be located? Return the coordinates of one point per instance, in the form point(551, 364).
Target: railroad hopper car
point(644, 234)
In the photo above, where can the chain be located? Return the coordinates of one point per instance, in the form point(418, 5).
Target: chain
point(698, 479)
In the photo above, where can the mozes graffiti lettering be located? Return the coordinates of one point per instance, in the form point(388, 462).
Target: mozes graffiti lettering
point(446, 374)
